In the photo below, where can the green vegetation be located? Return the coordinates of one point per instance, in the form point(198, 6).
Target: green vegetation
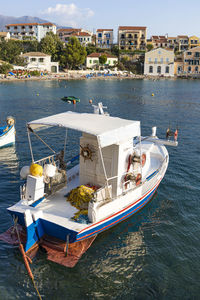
point(73, 55)
point(149, 47)
point(5, 68)
point(52, 45)
point(103, 59)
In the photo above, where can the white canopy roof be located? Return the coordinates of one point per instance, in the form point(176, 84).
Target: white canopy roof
point(108, 130)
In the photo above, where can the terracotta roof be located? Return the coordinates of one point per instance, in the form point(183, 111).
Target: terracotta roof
point(131, 28)
point(104, 30)
point(29, 24)
point(69, 29)
point(171, 38)
point(3, 33)
point(81, 33)
point(34, 54)
point(99, 54)
point(182, 36)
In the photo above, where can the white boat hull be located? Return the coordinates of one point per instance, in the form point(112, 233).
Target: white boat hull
point(8, 138)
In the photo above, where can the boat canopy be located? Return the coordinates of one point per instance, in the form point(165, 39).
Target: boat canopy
point(108, 130)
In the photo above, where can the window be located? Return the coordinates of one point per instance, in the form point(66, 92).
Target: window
point(197, 54)
point(167, 69)
point(161, 60)
point(109, 62)
point(30, 26)
point(90, 61)
point(8, 27)
point(196, 69)
point(189, 53)
point(41, 59)
point(150, 69)
point(107, 35)
point(99, 35)
point(33, 59)
point(23, 27)
point(156, 60)
point(159, 69)
point(149, 59)
point(108, 42)
point(15, 27)
point(159, 52)
point(135, 36)
point(167, 60)
point(189, 69)
point(122, 36)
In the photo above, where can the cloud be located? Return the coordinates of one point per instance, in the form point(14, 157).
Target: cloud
point(67, 14)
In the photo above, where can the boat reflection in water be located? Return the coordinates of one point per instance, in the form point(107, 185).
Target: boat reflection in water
point(9, 158)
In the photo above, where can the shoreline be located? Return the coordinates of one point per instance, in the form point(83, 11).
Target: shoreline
point(86, 75)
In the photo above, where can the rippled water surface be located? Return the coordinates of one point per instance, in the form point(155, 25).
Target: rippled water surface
point(154, 254)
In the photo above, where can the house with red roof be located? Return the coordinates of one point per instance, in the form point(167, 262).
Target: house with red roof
point(30, 31)
point(93, 60)
point(104, 38)
point(132, 37)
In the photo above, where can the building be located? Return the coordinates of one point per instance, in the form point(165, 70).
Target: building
point(194, 41)
point(178, 65)
point(191, 60)
point(31, 31)
point(159, 62)
point(85, 37)
point(172, 43)
point(40, 61)
point(93, 60)
point(104, 38)
point(132, 38)
point(159, 41)
point(183, 42)
point(4, 36)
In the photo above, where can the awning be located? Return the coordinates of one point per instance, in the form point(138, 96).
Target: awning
point(108, 130)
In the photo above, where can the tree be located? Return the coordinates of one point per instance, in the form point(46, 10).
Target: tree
point(5, 68)
point(73, 55)
point(91, 48)
point(10, 50)
point(52, 45)
point(102, 59)
point(149, 47)
point(115, 50)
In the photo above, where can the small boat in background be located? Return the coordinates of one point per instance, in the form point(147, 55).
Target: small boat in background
point(70, 99)
point(7, 133)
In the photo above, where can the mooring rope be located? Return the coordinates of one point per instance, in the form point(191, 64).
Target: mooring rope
point(25, 258)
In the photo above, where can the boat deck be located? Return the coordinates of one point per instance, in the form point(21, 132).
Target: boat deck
point(57, 204)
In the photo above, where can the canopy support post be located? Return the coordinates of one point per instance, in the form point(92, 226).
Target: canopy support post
point(65, 142)
point(104, 169)
point(30, 146)
point(140, 154)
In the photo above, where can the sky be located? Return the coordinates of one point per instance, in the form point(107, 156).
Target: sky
point(172, 17)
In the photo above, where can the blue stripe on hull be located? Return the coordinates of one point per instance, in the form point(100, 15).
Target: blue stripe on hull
point(134, 209)
point(41, 226)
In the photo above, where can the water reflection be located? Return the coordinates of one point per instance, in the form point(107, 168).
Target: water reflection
point(9, 158)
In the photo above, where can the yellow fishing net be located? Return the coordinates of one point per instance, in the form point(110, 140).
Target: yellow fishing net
point(80, 196)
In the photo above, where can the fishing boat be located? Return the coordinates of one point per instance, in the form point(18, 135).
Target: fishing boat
point(117, 173)
point(70, 99)
point(7, 133)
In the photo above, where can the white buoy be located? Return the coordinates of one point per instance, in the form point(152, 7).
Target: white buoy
point(49, 170)
point(25, 171)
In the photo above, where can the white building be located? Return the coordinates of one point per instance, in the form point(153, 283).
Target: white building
point(93, 60)
point(159, 62)
point(30, 30)
point(104, 38)
point(4, 36)
point(40, 61)
point(84, 36)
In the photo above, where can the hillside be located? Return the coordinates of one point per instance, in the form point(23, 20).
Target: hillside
point(12, 20)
